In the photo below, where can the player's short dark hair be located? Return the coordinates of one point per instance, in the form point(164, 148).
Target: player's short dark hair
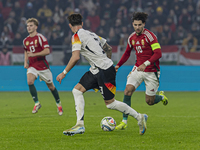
point(34, 20)
point(75, 19)
point(140, 16)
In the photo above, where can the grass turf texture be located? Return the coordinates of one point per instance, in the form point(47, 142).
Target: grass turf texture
point(175, 126)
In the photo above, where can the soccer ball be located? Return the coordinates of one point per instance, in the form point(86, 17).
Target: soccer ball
point(108, 124)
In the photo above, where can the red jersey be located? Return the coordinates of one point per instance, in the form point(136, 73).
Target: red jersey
point(36, 44)
point(146, 48)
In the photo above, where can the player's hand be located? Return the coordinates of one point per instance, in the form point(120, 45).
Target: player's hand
point(60, 77)
point(116, 68)
point(30, 54)
point(26, 65)
point(142, 67)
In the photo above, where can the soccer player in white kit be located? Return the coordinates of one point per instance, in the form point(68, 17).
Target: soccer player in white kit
point(146, 68)
point(101, 76)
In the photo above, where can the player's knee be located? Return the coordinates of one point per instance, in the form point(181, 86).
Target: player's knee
point(129, 90)
point(76, 92)
point(111, 105)
point(128, 93)
point(30, 82)
point(149, 102)
point(52, 88)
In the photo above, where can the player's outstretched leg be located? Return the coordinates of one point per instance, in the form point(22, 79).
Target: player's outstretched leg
point(142, 123)
point(124, 108)
point(36, 108)
point(77, 129)
point(165, 99)
point(123, 124)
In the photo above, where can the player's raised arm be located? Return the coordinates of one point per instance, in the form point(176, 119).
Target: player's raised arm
point(108, 50)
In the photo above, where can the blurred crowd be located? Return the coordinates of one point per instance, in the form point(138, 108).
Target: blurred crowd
point(174, 22)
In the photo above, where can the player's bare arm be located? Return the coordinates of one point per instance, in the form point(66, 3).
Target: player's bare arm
point(45, 52)
point(72, 62)
point(26, 60)
point(108, 49)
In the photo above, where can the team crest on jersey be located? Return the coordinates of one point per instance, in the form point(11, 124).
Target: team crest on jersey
point(27, 43)
point(35, 43)
point(133, 42)
point(142, 41)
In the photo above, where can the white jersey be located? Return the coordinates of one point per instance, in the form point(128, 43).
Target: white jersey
point(90, 46)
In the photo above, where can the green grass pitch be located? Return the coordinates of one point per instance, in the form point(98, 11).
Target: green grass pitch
point(172, 127)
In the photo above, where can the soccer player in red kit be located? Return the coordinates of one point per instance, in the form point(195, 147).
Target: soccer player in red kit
point(36, 48)
point(146, 68)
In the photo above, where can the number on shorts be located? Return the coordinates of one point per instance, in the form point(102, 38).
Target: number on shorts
point(101, 89)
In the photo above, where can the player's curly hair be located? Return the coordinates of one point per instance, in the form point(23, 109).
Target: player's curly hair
point(75, 19)
point(34, 20)
point(140, 16)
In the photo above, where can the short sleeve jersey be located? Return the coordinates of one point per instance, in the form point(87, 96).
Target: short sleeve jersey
point(36, 44)
point(144, 45)
point(90, 46)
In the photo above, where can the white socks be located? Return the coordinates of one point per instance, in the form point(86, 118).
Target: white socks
point(124, 108)
point(125, 121)
point(79, 106)
point(37, 103)
point(116, 105)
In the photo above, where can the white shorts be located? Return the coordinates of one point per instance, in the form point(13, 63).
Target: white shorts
point(150, 79)
point(45, 75)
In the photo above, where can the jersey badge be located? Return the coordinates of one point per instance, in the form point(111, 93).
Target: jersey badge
point(137, 42)
point(27, 43)
point(142, 41)
point(35, 43)
point(133, 42)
